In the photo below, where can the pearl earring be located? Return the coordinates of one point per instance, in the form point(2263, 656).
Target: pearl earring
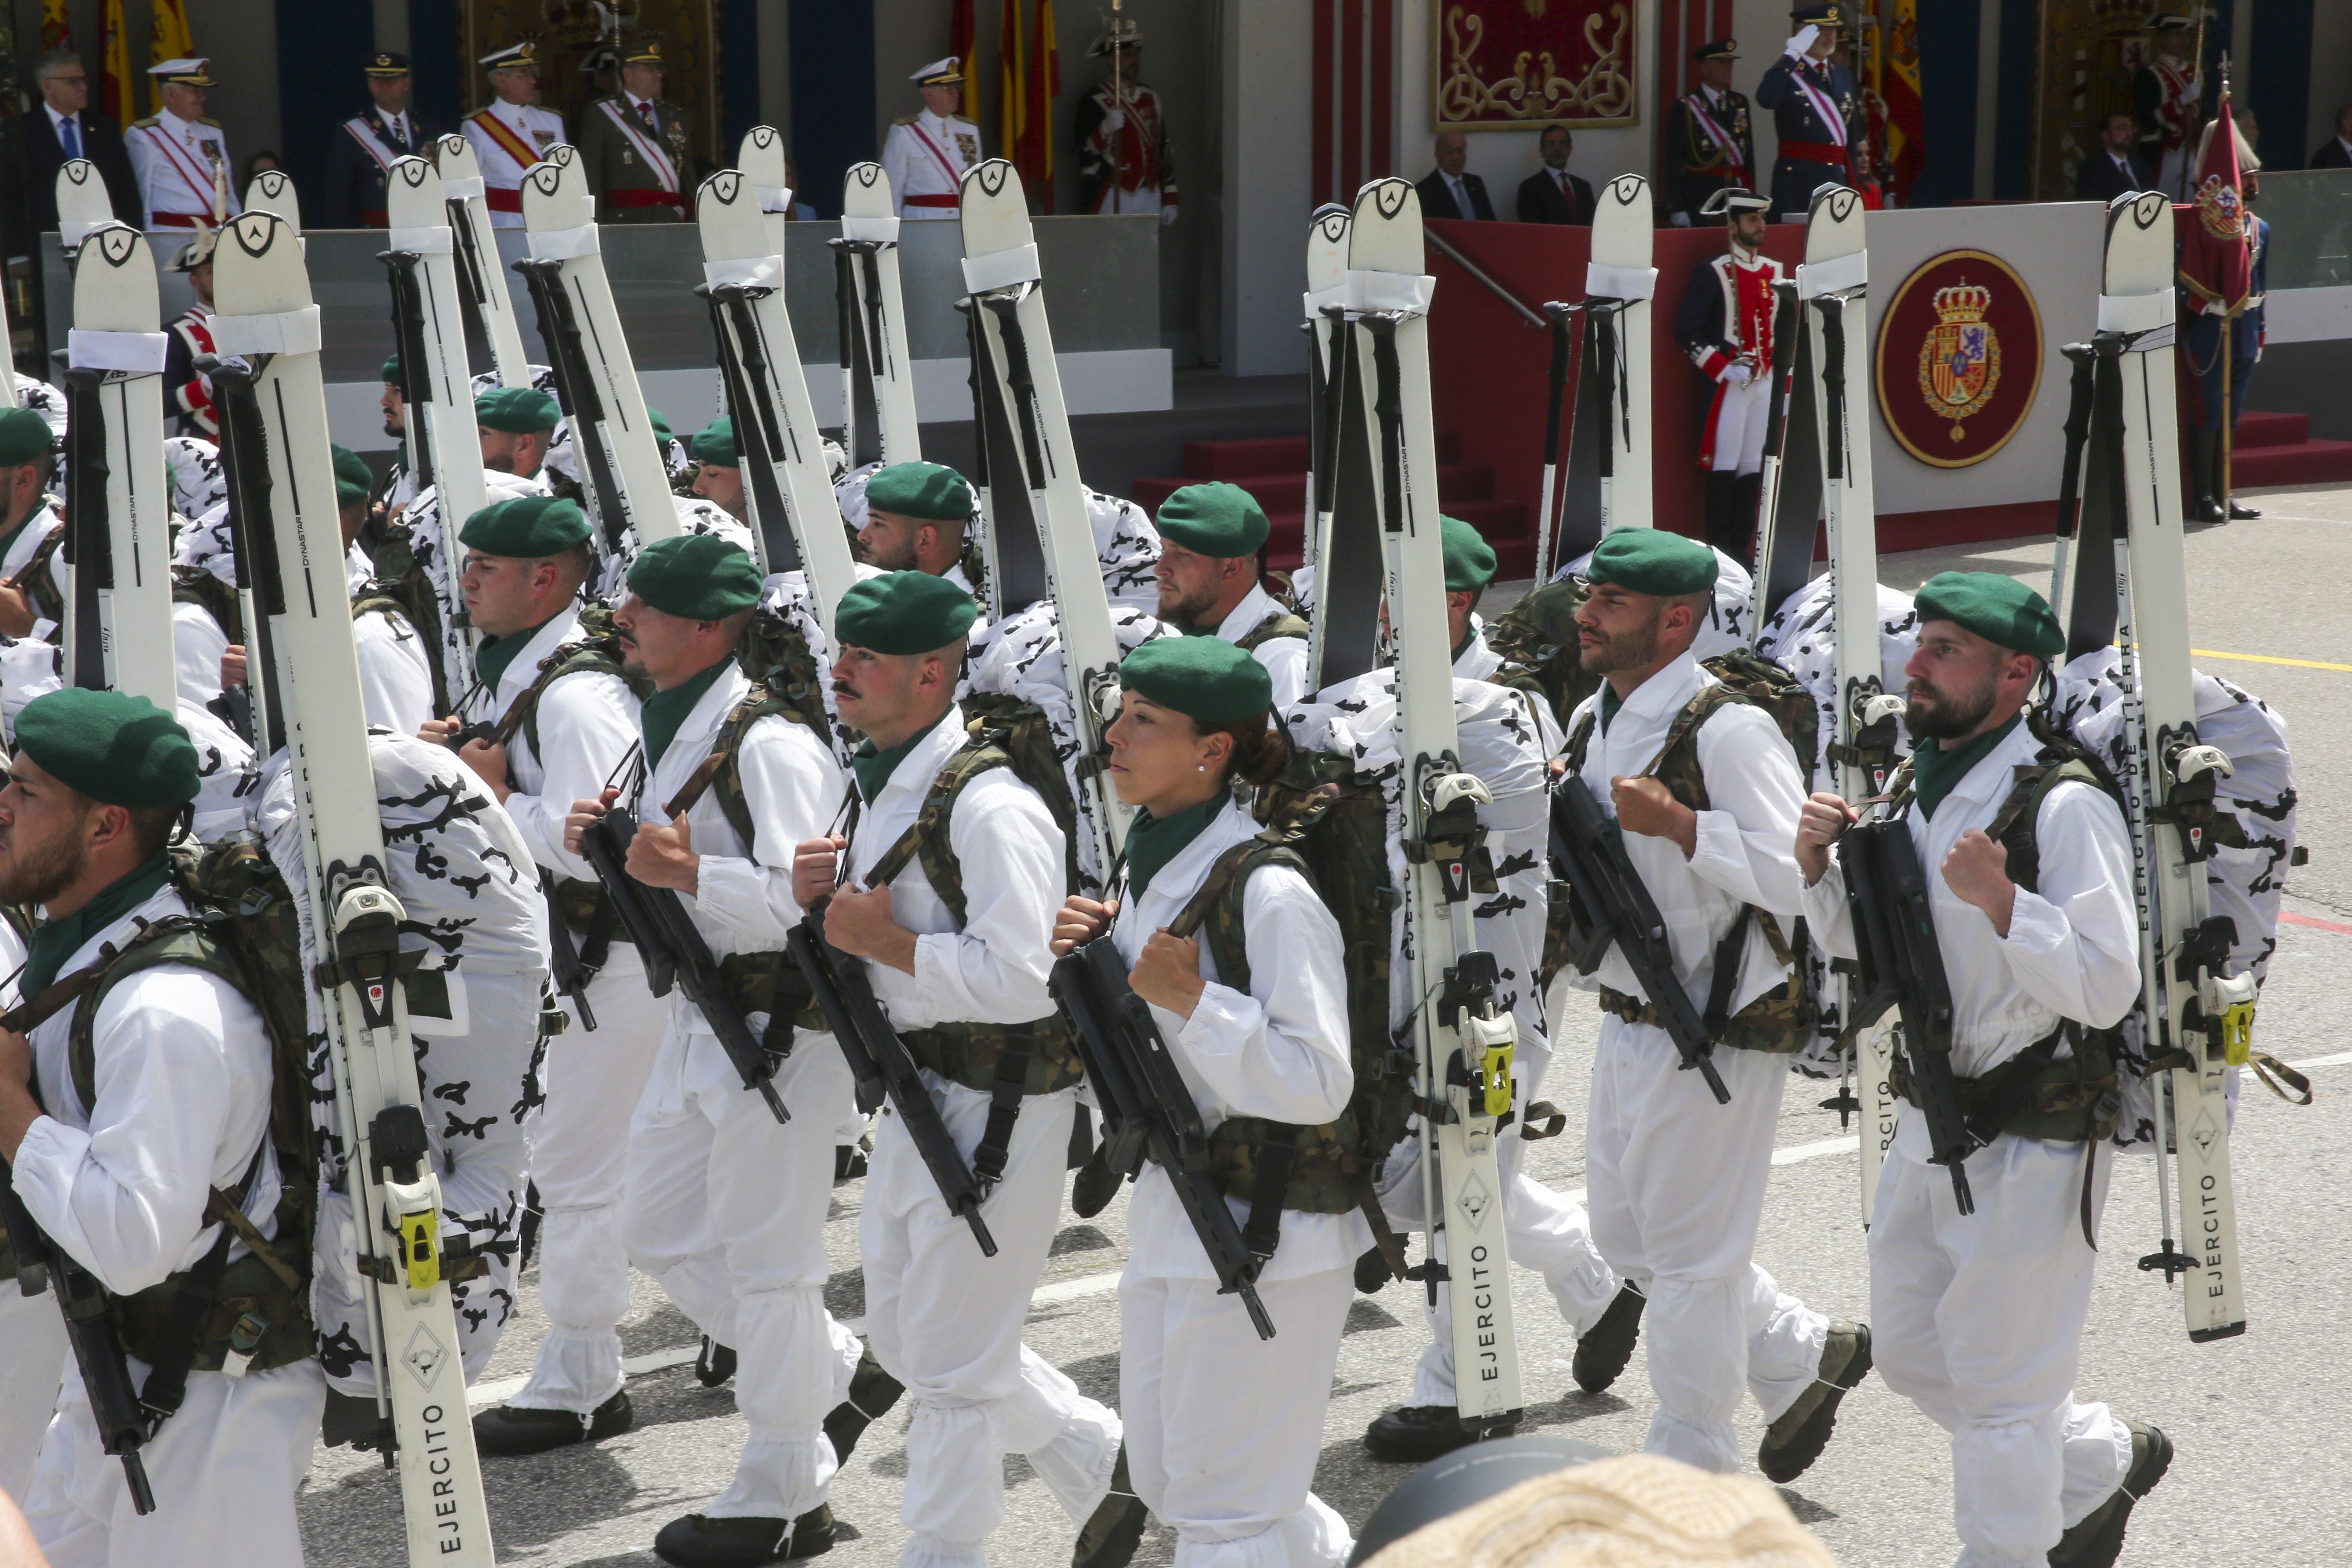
point(1201, 768)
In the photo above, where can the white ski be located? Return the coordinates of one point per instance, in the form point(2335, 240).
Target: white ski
point(272, 191)
point(796, 521)
point(2198, 1017)
point(82, 203)
point(482, 279)
point(760, 157)
point(1466, 1041)
point(1788, 502)
point(1833, 283)
point(621, 465)
point(430, 325)
point(122, 551)
point(1326, 331)
point(275, 419)
point(1021, 390)
point(1344, 636)
point(1613, 400)
point(875, 370)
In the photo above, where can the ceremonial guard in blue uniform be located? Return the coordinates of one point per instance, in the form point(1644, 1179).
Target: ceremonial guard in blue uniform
point(1714, 146)
point(1816, 107)
point(363, 148)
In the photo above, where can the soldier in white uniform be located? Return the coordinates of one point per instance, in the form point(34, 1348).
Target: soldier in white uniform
point(181, 158)
point(1675, 1180)
point(511, 132)
point(28, 522)
point(726, 1207)
point(926, 155)
point(1978, 1317)
point(1211, 544)
point(114, 1161)
point(955, 926)
point(919, 517)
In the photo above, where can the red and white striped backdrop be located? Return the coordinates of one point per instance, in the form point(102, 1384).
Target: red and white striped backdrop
point(1355, 96)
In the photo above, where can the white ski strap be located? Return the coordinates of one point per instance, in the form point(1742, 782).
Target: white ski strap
point(134, 353)
point(751, 271)
point(1002, 269)
point(462, 190)
point(1316, 300)
point(869, 230)
point(1619, 282)
point(269, 332)
point(72, 232)
point(1816, 280)
point(2140, 316)
point(436, 241)
point(564, 244)
point(774, 198)
point(1403, 292)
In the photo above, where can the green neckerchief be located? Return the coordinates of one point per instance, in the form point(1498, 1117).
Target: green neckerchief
point(1198, 631)
point(1464, 645)
point(1609, 704)
point(491, 659)
point(1935, 769)
point(57, 940)
point(1153, 841)
point(872, 768)
point(665, 710)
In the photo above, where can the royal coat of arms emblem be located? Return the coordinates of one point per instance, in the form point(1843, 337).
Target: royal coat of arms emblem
point(1960, 358)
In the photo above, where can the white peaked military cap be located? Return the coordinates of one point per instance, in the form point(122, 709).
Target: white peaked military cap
point(948, 72)
point(186, 72)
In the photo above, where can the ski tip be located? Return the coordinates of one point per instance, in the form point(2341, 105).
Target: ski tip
point(992, 177)
point(1385, 200)
point(2141, 209)
point(274, 189)
point(115, 244)
point(1836, 204)
point(761, 156)
point(413, 197)
point(1628, 191)
point(726, 188)
point(454, 154)
point(555, 194)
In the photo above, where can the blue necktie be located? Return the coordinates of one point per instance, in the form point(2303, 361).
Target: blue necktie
point(70, 130)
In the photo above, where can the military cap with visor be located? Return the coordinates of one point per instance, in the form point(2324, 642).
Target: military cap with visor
point(385, 65)
point(948, 72)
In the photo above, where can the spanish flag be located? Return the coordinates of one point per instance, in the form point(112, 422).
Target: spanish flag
point(1906, 119)
point(1035, 158)
point(169, 40)
point(1012, 81)
point(115, 98)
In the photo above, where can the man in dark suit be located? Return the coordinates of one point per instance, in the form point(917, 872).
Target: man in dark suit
point(365, 146)
point(1450, 190)
point(2114, 166)
point(60, 127)
point(2336, 154)
point(1552, 195)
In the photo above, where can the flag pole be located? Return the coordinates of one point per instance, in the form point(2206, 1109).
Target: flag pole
point(1119, 100)
point(2229, 414)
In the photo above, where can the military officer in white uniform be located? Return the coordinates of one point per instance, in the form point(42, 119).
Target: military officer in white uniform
point(926, 155)
point(180, 157)
point(511, 132)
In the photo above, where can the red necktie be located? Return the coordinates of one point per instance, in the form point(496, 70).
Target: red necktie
point(646, 113)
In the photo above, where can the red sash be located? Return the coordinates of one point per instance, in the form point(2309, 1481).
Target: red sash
point(947, 166)
point(198, 180)
point(513, 145)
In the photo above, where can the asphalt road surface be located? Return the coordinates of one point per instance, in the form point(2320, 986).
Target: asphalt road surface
point(2262, 1423)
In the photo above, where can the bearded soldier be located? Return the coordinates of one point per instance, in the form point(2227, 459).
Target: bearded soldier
point(1706, 791)
point(180, 157)
point(1121, 131)
point(633, 146)
point(1726, 326)
point(1212, 549)
point(511, 132)
point(917, 517)
point(947, 887)
point(926, 155)
point(2029, 865)
point(127, 1157)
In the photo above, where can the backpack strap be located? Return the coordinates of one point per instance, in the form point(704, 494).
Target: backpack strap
point(927, 837)
point(724, 751)
point(1676, 764)
point(592, 656)
point(1282, 623)
point(2013, 825)
point(41, 583)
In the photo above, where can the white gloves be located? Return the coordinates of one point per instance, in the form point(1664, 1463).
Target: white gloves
point(1801, 45)
point(1114, 123)
point(1167, 216)
point(1736, 374)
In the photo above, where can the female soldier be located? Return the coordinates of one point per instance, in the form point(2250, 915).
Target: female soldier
point(1222, 1429)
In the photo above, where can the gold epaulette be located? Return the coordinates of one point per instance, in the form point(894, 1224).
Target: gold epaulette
point(214, 123)
point(905, 119)
point(142, 125)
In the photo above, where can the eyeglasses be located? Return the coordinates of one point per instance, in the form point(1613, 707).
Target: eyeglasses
point(68, 81)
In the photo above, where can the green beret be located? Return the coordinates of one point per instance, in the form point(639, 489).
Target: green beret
point(714, 447)
point(354, 479)
point(527, 528)
point(698, 575)
point(1469, 559)
point(1653, 561)
point(1208, 677)
point(1216, 519)
point(517, 410)
point(923, 490)
point(117, 749)
point(392, 376)
point(661, 427)
point(904, 613)
point(24, 438)
point(1998, 608)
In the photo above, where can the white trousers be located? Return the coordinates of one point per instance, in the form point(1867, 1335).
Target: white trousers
point(1541, 1230)
point(1223, 1428)
point(1676, 1186)
point(726, 1207)
point(224, 1471)
point(947, 1323)
point(1737, 446)
point(1978, 1320)
point(33, 1356)
point(579, 1162)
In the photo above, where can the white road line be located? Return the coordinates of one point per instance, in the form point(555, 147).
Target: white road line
point(1085, 1285)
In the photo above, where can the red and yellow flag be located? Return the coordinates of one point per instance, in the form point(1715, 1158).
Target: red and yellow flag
point(1907, 119)
point(1012, 81)
point(56, 27)
point(1035, 159)
point(115, 98)
point(168, 40)
point(960, 39)
point(2216, 232)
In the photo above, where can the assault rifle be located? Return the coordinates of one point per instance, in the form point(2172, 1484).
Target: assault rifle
point(675, 954)
point(880, 1063)
point(1900, 965)
point(1147, 1109)
point(1608, 903)
point(41, 1265)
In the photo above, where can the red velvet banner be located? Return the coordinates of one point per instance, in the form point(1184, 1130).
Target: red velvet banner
point(1508, 64)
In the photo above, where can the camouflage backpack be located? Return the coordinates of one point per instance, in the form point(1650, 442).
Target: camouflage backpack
point(401, 585)
point(39, 579)
point(1285, 622)
point(1021, 731)
point(215, 597)
point(1779, 1022)
point(1536, 640)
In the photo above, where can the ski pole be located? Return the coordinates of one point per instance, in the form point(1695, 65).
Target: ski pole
point(1562, 349)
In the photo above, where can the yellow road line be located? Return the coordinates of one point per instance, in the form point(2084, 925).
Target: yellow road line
point(2266, 658)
